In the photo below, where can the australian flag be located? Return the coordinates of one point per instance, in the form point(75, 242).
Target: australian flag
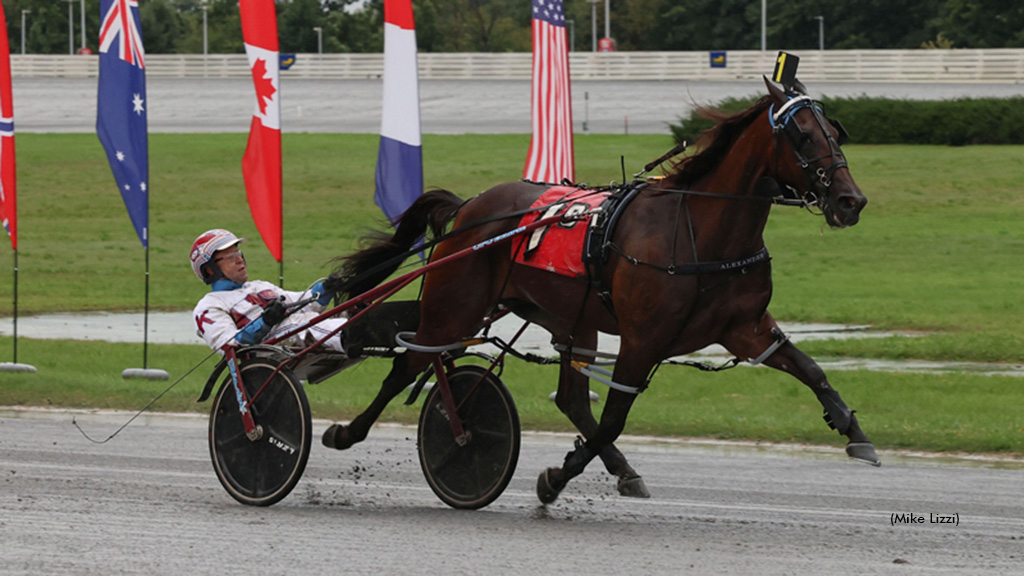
point(121, 114)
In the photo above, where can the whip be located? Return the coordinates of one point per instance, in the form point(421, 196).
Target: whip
point(144, 408)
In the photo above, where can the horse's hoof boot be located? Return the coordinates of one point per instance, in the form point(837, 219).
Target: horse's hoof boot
point(633, 487)
point(545, 491)
point(863, 452)
point(335, 437)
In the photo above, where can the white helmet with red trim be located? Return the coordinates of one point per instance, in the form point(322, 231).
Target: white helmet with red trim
point(205, 246)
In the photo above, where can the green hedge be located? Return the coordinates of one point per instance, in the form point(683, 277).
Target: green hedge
point(886, 121)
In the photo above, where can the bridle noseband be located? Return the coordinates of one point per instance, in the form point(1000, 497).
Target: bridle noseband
point(782, 122)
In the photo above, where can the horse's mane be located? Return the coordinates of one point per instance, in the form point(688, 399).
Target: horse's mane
point(715, 142)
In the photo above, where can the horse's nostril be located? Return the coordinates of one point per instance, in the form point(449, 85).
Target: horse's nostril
point(852, 202)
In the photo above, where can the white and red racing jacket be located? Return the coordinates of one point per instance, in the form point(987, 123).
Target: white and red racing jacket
point(222, 313)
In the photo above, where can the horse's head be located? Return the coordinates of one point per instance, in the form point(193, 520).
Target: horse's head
point(809, 158)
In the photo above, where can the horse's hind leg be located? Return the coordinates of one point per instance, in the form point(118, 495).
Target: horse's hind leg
point(630, 370)
point(403, 372)
point(573, 399)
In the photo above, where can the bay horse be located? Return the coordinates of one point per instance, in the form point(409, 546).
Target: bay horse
point(710, 207)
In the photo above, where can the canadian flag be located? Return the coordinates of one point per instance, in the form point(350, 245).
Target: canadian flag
point(261, 165)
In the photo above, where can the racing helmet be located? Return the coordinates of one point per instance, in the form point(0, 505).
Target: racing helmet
point(203, 249)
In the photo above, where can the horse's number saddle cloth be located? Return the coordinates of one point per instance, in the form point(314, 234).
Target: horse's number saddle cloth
point(559, 248)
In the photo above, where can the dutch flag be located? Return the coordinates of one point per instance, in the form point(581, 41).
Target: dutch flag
point(399, 175)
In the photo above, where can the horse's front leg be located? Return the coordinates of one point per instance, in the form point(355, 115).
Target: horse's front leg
point(573, 399)
point(839, 417)
point(790, 359)
point(628, 372)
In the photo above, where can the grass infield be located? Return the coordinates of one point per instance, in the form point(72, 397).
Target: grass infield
point(936, 254)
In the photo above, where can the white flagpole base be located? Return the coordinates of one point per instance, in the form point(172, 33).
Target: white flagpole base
point(14, 367)
point(593, 396)
point(144, 373)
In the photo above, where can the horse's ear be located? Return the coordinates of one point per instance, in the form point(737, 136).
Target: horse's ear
point(775, 92)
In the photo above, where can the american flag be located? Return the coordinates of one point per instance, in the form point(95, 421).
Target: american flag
point(551, 154)
point(121, 109)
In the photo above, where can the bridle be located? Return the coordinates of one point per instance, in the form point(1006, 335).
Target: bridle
point(782, 123)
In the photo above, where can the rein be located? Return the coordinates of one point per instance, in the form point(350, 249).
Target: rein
point(779, 200)
point(429, 245)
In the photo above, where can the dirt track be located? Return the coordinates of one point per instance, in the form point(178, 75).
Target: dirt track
point(148, 502)
point(447, 107)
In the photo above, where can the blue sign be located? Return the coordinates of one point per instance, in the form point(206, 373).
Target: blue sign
point(287, 60)
point(718, 59)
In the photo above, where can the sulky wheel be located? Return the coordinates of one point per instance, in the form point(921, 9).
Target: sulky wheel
point(261, 472)
point(473, 475)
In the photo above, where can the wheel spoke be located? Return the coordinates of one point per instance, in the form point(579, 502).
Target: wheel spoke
point(473, 475)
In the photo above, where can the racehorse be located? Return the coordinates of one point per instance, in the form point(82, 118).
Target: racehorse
point(661, 291)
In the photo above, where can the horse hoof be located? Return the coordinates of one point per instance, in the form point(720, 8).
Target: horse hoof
point(863, 452)
point(633, 487)
point(336, 436)
point(546, 491)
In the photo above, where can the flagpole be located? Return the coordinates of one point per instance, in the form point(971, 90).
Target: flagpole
point(145, 372)
point(145, 318)
point(14, 366)
point(15, 319)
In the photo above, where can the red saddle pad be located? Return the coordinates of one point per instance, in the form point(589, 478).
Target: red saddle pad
point(557, 248)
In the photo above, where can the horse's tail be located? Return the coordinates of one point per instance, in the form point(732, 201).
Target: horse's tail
point(383, 254)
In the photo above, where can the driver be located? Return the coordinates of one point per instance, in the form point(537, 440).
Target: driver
point(238, 312)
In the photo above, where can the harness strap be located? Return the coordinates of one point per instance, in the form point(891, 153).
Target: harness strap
point(701, 268)
point(603, 376)
point(789, 108)
point(780, 339)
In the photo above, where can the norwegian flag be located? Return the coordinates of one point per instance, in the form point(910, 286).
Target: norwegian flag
point(399, 174)
point(121, 113)
point(551, 153)
point(8, 192)
point(261, 164)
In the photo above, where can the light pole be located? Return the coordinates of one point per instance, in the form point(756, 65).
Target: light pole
point(319, 39)
point(607, 20)
point(821, 32)
point(593, 22)
point(83, 27)
point(71, 26)
point(23, 13)
point(764, 25)
point(205, 44)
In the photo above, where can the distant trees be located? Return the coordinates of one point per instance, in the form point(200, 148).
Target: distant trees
point(176, 26)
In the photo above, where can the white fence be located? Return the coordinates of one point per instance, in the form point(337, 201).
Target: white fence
point(997, 65)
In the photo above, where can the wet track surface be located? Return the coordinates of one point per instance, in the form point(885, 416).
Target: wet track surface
point(148, 501)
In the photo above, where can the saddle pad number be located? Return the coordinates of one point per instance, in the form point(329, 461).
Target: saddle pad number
point(557, 248)
point(568, 222)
